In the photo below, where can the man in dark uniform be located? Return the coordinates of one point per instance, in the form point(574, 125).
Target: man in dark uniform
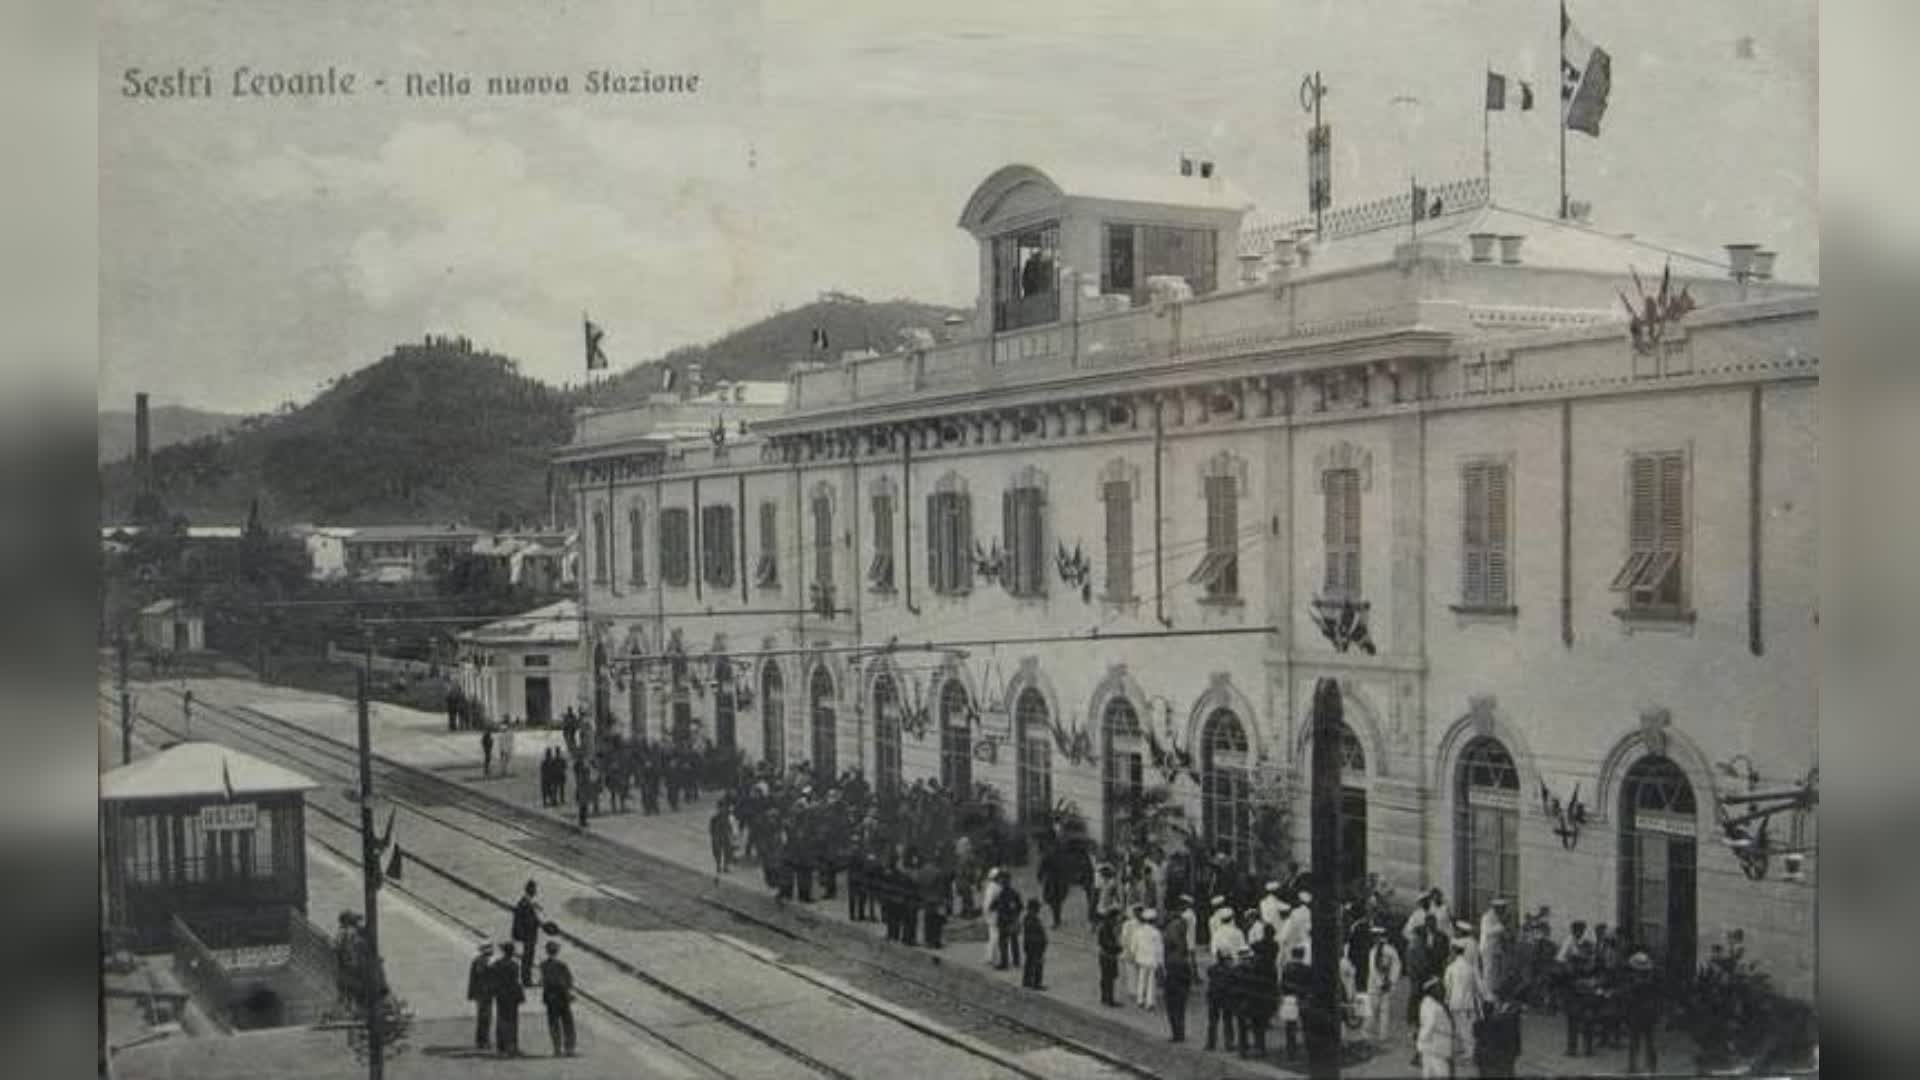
point(556, 991)
point(1178, 969)
point(526, 931)
point(507, 996)
point(480, 992)
point(1109, 943)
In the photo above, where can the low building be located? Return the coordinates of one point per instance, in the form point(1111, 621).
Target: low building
point(170, 626)
point(326, 547)
point(401, 554)
point(527, 668)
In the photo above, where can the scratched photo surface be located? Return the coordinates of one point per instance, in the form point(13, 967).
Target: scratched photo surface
point(675, 522)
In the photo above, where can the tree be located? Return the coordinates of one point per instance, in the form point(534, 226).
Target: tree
point(1149, 820)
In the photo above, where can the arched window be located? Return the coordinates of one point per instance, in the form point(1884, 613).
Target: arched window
point(820, 692)
point(1124, 771)
point(1487, 826)
point(956, 739)
point(1034, 737)
point(886, 734)
point(1658, 862)
point(1353, 811)
point(773, 716)
point(1224, 786)
point(723, 704)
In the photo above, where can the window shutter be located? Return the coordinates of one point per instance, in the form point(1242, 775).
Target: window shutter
point(936, 545)
point(1119, 500)
point(1498, 590)
point(1643, 518)
point(1473, 534)
point(1673, 478)
point(1009, 542)
point(962, 551)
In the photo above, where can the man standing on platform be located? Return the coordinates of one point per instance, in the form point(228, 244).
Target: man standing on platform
point(556, 992)
point(507, 996)
point(526, 931)
point(1179, 968)
point(480, 992)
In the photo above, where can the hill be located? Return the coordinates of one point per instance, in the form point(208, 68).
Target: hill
point(167, 424)
point(436, 431)
point(440, 431)
point(767, 348)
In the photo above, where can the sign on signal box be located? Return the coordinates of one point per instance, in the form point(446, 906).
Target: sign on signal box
point(229, 817)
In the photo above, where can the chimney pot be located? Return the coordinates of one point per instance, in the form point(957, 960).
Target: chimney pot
point(1250, 264)
point(1510, 250)
point(1763, 265)
point(1482, 246)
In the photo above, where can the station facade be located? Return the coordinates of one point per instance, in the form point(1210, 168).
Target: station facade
point(1079, 547)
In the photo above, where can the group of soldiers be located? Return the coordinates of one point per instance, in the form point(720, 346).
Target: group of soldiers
point(498, 981)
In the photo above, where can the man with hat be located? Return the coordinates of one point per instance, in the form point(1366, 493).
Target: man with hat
point(989, 897)
point(1224, 937)
point(556, 992)
point(1497, 958)
point(1179, 966)
point(1107, 939)
point(507, 996)
point(1106, 890)
point(1297, 930)
point(480, 992)
point(1466, 993)
point(1149, 958)
point(1383, 977)
point(1005, 912)
point(1438, 1039)
point(526, 930)
point(1273, 910)
point(1641, 998)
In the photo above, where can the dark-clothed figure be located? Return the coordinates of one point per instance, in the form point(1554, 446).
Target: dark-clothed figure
point(1178, 972)
point(1108, 938)
point(1033, 940)
point(507, 996)
point(936, 892)
point(1641, 1001)
point(556, 992)
point(1496, 1040)
point(1581, 989)
point(486, 752)
point(1056, 878)
point(1222, 1000)
point(1006, 919)
point(526, 931)
point(480, 992)
point(720, 838)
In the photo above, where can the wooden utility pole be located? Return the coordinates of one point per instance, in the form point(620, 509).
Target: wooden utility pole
point(126, 703)
point(1322, 1017)
point(372, 982)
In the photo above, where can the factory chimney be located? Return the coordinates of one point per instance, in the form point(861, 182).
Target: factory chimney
point(142, 443)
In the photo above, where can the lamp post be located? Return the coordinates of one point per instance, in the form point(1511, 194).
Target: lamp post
point(1344, 624)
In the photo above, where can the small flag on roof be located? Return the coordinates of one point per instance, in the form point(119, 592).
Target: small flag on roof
point(1586, 77)
point(226, 779)
point(596, 358)
point(819, 339)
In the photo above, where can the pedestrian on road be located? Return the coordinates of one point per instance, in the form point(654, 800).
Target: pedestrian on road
point(480, 992)
point(1436, 1043)
point(1006, 918)
point(506, 748)
point(526, 930)
point(1642, 1002)
point(989, 903)
point(1033, 940)
point(556, 992)
point(1179, 970)
point(720, 837)
point(507, 996)
point(1149, 957)
point(1108, 939)
point(486, 751)
point(559, 779)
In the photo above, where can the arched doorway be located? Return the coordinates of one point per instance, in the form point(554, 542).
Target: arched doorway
point(1225, 796)
point(723, 704)
point(1033, 777)
point(886, 734)
point(1124, 771)
point(956, 739)
point(1658, 862)
point(773, 716)
point(825, 737)
point(1486, 826)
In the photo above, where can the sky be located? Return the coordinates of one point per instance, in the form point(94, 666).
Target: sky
point(251, 250)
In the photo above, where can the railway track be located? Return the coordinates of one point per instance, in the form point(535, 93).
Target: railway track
point(430, 797)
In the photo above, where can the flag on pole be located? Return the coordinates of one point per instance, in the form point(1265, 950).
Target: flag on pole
point(819, 340)
point(667, 376)
point(596, 359)
point(1497, 93)
point(226, 779)
point(1425, 206)
point(1586, 76)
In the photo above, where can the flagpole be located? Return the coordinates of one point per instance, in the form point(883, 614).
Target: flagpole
point(1560, 49)
point(1486, 137)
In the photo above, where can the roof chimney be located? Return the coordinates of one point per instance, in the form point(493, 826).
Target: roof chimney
point(1510, 250)
point(1763, 265)
point(1482, 246)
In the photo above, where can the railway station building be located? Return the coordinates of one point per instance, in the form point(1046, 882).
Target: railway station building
point(1078, 547)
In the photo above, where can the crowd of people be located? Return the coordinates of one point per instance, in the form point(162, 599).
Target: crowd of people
point(918, 856)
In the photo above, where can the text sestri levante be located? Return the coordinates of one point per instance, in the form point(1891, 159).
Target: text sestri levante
point(249, 82)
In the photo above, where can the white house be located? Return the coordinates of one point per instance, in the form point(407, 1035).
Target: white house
point(528, 667)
